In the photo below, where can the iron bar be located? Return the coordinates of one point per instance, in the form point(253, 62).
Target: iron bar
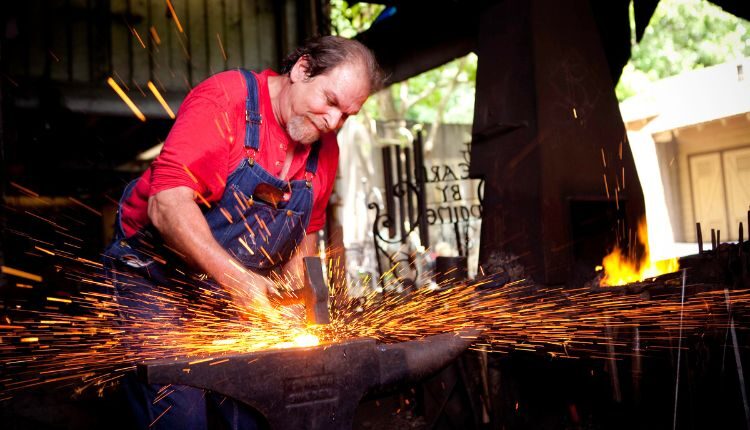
point(409, 192)
point(388, 178)
point(457, 232)
point(713, 240)
point(399, 194)
point(424, 236)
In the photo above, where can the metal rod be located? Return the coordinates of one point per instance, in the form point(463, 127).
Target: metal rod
point(466, 239)
point(409, 191)
point(457, 232)
point(713, 240)
point(424, 236)
point(389, 202)
point(718, 238)
point(699, 235)
point(400, 196)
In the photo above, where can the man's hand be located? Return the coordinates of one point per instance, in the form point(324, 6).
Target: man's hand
point(252, 297)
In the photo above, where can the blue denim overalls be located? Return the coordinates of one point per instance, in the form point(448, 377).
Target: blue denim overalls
point(258, 235)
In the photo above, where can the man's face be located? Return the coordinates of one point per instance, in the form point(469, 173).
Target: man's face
point(321, 104)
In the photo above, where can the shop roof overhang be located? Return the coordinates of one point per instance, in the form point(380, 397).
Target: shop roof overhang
point(414, 36)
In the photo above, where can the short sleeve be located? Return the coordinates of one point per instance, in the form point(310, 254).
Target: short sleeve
point(196, 151)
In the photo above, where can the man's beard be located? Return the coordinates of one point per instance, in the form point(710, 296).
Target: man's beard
point(302, 130)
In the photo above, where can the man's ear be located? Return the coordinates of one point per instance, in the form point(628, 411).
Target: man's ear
point(299, 71)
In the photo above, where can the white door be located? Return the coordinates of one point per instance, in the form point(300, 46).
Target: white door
point(707, 183)
point(737, 179)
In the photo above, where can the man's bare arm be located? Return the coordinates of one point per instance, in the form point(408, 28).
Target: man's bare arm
point(182, 225)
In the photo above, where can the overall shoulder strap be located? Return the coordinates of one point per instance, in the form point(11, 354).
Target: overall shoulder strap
point(312, 158)
point(253, 118)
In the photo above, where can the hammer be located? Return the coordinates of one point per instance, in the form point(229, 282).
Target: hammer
point(314, 293)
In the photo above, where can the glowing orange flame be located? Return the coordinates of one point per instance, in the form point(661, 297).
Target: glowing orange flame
point(306, 339)
point(619, 270)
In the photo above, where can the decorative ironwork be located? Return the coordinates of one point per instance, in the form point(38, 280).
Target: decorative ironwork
point(400, 199)
point(385, 221)
point(403, 210)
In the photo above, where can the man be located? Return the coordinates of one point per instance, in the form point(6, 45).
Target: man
point(239, 189)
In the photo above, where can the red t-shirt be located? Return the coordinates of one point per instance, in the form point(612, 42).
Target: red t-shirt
point(206, 144)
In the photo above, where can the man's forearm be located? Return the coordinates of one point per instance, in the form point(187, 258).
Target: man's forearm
point(182, 225)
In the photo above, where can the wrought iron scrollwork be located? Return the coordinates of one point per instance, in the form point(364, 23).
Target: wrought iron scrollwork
point(384, 221)
point(407, 193)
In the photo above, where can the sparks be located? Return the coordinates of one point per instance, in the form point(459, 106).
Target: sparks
point(20, 273)
point(96, 339)
point(126, 99)
point(161, 100)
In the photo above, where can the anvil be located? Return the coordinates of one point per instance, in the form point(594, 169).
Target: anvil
point(316, 387)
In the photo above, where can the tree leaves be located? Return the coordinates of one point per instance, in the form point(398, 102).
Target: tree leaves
point(683, 35)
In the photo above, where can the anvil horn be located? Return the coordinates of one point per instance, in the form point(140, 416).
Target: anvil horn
point(413, 360)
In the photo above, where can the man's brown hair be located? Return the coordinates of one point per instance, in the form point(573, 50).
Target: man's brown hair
point(324, 53)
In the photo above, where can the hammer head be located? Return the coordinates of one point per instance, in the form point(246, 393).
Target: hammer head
point(315, 292)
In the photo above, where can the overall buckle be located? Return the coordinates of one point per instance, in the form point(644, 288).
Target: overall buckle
point(253, 117)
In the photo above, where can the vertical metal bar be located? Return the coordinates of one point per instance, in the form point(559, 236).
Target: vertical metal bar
point(699, 237)
point(713, 240)
point(466, 238)
point(388, 178)
point(457, 232)
point(400, 197)
point(424, 236)
point(409, 191)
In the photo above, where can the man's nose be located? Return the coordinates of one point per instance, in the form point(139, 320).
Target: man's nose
point(335, 118)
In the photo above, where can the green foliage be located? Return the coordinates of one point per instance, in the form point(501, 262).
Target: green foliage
point(348, 21)
point(460, 99)
point(683, 35)
point(420, 97)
